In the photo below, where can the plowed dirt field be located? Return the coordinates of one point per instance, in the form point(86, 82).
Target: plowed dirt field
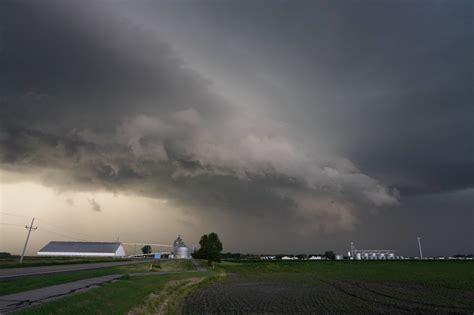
point(242, 294)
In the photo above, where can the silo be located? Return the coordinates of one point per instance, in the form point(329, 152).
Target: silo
point(181, 251)
point(358, 256)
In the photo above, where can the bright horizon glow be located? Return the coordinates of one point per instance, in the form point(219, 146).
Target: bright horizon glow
point(70, 215)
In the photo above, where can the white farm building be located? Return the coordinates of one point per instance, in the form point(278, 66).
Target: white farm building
point(84, 249)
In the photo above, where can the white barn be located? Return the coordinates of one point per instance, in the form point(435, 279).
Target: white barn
point(84, 249)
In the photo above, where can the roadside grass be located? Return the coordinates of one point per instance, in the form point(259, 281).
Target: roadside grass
point(30, 283)
point(36, 282)
point(446, 274)
point(166, 300)
point(159, 266)
point(170, 299)
point(33, 261)
point(133, 293)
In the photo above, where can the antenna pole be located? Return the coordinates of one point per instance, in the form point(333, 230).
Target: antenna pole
point(29, 228)
point(419, 247)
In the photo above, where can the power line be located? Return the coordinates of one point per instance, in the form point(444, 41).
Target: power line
point(45, 222)
point(4, 223)
point(151, 244)
point(61, 228)
point(14, 214)
point(64, 235)
point(29, 228)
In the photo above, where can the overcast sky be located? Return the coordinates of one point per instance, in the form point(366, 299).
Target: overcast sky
point(284, 126)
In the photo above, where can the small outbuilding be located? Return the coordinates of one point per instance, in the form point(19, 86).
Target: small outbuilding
point(83, 249)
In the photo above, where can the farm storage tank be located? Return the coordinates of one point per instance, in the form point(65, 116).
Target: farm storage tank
point(181, 251)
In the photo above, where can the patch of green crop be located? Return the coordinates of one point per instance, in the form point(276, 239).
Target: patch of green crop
point(51, 261)
point(448, 274)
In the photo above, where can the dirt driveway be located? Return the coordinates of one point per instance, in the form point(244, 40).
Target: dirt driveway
point(238, 294)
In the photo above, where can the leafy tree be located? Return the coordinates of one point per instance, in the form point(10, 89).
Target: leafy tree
point(146, 249)
point(235, 256)
point(210, 248)
point(329, 254)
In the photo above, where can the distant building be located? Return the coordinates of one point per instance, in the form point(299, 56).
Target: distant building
point(371, 254)
point(83, 249)
point(289, 258)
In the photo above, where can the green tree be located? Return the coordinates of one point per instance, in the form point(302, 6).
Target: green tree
point(146, 249)
point(210, 248)
point(302, 256)
point(330, 255)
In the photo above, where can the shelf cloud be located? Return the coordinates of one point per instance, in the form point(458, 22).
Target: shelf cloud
point(352, 119)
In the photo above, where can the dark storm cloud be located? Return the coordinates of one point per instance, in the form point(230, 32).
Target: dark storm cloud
point(64, 65)
point(91, 101)
point(95, 102)
point(388, 84)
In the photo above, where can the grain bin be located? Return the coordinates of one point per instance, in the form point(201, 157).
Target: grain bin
point(181, 251)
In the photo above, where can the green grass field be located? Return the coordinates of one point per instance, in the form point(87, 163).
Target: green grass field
point(448, 274)
point(34, 261)
point(30, 283)
point(131, 293)
point(163, 294)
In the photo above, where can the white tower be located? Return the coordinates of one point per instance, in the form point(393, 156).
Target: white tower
point(419, 247)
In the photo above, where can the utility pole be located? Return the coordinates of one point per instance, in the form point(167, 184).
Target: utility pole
point(29, 228)
point(419, 247)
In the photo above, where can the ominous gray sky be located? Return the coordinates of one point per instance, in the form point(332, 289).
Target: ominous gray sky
point(285, 126)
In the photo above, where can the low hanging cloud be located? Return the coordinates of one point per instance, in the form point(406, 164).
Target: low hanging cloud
point(186, 143)
point(94, 110)
point(94, 205)
point(70, 201)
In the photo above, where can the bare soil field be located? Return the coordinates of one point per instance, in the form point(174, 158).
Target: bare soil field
point(250, 294)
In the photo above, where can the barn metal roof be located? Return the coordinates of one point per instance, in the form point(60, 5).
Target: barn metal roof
point(81, 247)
